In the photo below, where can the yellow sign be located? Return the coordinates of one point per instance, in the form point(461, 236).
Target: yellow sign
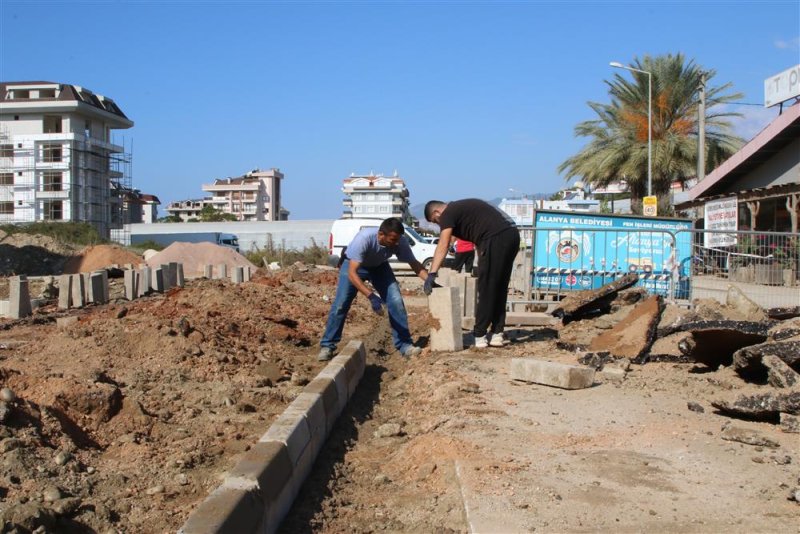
point(650, 206)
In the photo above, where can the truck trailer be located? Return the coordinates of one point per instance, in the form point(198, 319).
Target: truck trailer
point(165, 239)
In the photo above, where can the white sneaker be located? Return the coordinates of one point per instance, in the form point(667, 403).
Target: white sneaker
point(498, 341)
point(481, 342)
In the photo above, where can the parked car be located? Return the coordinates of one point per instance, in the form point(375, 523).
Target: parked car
point(344, 230)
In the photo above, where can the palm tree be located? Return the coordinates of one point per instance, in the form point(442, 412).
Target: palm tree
point(618, 137)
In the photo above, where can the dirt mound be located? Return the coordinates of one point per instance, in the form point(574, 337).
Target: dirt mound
point(99, 257)
point(195, 256)
point(33, 255)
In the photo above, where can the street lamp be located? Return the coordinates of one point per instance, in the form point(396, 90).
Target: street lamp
point(649, 122)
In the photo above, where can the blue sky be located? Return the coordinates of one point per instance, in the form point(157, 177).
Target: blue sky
point(461, 98)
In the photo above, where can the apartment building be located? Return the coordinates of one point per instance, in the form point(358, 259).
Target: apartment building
point(255, 196)
point(375, 197)
point(188, 210)
point(57, 158)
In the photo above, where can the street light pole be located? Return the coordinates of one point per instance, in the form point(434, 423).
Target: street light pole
point(649, 122)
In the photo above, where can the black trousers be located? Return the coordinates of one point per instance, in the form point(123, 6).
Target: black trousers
point(464, 259)
point(496, 262)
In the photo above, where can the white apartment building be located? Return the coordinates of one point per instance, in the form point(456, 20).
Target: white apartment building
point(188, 210)
point(255, 196)
point(375, 197)
point(57, 160)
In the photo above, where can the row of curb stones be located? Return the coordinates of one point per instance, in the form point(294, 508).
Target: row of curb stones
point(258, 492)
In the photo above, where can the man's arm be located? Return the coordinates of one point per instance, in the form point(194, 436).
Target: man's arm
point(418, 269)
point(352, 274)
point(441, 249)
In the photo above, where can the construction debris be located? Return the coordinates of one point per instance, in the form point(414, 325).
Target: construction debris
point(583, 304)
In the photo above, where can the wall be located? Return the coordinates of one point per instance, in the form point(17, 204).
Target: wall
point(252, 234)
point(782, 168)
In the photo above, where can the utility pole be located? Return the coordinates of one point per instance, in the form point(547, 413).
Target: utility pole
point(701, 129)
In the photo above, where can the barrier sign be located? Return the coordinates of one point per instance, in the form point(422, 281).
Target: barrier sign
point(574, 251)
point(721, 215)
point(650, 206)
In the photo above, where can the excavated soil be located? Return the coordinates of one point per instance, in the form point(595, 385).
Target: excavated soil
point(100, 257)
point(125, 420)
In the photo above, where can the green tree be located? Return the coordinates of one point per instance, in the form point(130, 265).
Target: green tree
point(210, 214)
point(617, 145)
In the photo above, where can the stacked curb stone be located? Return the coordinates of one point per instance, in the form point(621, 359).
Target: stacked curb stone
point(257, 493)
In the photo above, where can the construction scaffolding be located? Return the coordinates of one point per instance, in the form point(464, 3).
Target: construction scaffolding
point(64, 177)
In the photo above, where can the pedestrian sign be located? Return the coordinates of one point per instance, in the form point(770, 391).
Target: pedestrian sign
point(650, 206)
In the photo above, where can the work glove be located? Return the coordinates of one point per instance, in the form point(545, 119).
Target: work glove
point(430, 283)
point(376, 303)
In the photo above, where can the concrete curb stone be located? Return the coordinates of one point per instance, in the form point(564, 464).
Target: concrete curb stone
point(258, 492)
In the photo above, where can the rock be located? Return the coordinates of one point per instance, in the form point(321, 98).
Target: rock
point(580, 304)
point(181, 479)
point(746, 308)
point(748, 437)
point(469, 387)
point(195, 350)
point(766, 406)
point(781, 314)
point(122, 312)
point(62, 457)
point(695, 407)
point(155, 490)
point(795, 495)
point(632, 337)
point(270, 370)
point(184, 327)
point(67, 506)
point(29, 516)
point(388, 430)
point(748, 361)
point(671, 348)
point(597, 360)
point(716, 341)
point(5, 411)
point(299, 379)
point(9, 444)
point(51, 494)
point(779, 374)
point(381, 479)
point(790, 423)
point(7, 395)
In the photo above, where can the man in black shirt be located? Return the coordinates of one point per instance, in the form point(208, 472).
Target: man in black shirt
point(496, 239)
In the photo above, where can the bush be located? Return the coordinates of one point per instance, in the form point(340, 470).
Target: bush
point(66, 232)
point(314, 255)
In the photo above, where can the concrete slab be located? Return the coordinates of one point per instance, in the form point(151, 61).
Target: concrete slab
point(554, 374)
point(130, 284)
point(145, 281)
point(78, 291)
point(64, 291)
point(291, 429)
point(96, 283)
point(19, 299)
point(222, 271)
point(208, 271)
point(237, 275)
point(226, 511)
point(522, 318)
point(632, 337)
point(445, 308)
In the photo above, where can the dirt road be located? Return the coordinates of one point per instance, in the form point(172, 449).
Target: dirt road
point(124, 420)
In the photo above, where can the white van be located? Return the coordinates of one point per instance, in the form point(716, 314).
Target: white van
point(344, 230)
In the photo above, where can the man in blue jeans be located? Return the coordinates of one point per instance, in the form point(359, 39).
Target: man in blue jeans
point(366, 259)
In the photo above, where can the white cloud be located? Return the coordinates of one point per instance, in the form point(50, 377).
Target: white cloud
point(791, 44)
point(753, 120)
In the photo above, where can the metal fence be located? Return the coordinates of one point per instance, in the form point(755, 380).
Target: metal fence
point(680, 265)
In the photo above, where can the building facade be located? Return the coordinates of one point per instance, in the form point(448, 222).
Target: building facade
point(376, 197)
point(57, 158)
point(188, 210)
point(255, 196)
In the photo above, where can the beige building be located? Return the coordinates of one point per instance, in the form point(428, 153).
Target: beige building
point(375, 197)
point(255, 196)
point(57, 158)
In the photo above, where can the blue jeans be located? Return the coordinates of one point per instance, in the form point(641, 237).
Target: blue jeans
point(384, 282)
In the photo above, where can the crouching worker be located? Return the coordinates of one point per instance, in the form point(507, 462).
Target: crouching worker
point(366, 259)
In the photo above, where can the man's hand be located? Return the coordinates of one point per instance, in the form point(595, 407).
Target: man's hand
point(376, 303)
point(430, 283)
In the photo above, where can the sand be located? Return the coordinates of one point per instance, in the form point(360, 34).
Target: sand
point(195, 256)
point(100, 257)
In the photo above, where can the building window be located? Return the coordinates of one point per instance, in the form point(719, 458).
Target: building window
point(52, 181)
point(6, 151)
point(6, 208)
point(53, 211)
point(6, 178)
point(51, 124)
point(51, 153)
